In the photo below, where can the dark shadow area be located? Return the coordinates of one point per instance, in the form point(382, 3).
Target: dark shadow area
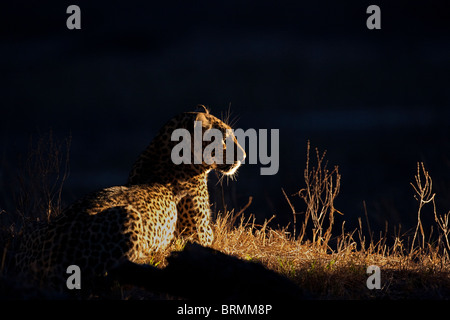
point(377, 100)
point(206, 274)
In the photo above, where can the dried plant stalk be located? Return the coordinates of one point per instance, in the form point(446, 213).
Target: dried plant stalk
point(322, 188)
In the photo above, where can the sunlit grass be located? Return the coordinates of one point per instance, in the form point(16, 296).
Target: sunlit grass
point(323, 258)
point(416, 269)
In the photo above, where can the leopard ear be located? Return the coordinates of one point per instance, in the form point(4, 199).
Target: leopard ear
point(206, 124)
point(201, 108)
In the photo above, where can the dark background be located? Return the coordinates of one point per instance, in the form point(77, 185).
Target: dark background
point(377, 100)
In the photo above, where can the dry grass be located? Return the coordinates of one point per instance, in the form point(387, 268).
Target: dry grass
point(41, 180)
point(419, 269)
point(416, 270)
point(332, 274)
point(35, 194)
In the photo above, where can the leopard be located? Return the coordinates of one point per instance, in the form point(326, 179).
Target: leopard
point(160, 201)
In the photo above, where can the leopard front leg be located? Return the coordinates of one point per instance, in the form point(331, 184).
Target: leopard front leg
point(194, 219)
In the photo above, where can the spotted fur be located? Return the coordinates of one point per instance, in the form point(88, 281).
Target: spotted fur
point(133, 221)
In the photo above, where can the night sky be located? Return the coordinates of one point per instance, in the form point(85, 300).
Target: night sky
point(377, 100)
